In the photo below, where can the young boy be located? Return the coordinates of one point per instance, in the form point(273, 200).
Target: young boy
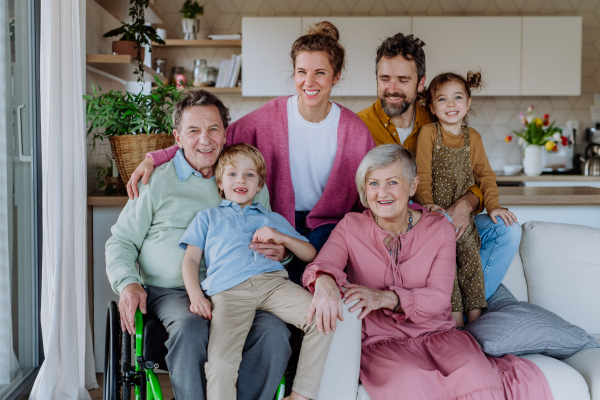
point(240, 281)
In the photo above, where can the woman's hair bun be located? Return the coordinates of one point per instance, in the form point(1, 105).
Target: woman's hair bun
point(324, 28)
point(474, 80)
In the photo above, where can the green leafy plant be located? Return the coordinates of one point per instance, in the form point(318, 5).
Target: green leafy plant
point(122, 113)
point(191, 9)
point(137, 31)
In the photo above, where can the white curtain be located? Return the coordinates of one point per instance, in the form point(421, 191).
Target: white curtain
point(9, 366)
point(68, 369)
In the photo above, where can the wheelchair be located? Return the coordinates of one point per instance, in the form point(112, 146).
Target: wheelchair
point(120, 373)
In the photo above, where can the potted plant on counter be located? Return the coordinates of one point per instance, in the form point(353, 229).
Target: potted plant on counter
point(134, 124)
point(135, 35)
point(191, 24)
point(537, 134)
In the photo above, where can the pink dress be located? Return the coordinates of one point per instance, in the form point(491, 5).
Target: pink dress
point(419, 353)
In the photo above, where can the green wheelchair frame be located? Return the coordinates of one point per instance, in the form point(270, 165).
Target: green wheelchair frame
point(120, 375)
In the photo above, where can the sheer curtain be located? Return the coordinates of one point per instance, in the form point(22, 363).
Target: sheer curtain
point(68, 369)
point(9, 366)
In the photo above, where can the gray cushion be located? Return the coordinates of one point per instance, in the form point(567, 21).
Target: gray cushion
point(517, 327)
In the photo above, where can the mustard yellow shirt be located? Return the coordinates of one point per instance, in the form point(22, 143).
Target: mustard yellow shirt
point(484, 176)
point(384, 132)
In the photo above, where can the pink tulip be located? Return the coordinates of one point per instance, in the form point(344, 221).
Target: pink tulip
point(530, 109)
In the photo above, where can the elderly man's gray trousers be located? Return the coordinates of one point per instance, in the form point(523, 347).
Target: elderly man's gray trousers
point(264, 358)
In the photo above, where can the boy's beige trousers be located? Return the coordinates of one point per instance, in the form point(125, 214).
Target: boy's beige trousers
point(232, 315)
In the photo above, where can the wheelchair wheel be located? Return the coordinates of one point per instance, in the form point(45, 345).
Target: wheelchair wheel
point(111, 353)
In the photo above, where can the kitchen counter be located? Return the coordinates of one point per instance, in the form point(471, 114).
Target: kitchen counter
point(522, 195)
point(519, 195)
point(547, 178)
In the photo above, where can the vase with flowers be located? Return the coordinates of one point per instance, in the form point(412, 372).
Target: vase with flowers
point(537, 135)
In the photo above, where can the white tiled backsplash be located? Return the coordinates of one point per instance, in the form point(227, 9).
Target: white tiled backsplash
point(495, 117)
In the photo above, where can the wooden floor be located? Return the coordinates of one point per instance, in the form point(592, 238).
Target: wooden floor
point(165, 385)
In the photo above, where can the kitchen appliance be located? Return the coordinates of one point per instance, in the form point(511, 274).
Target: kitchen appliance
point(593, 134)
point(591, 166)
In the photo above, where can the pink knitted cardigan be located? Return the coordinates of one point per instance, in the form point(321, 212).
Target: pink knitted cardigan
point(267, 129)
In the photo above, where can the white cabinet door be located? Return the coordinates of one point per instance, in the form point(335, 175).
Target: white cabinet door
point(360, 37)
point(551, 56)
point(460, 44)
point(266, 63)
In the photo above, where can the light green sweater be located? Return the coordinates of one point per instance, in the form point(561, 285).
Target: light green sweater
point(150, 227)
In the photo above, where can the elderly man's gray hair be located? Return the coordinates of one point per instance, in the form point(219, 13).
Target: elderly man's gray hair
point(382, 157)
point(199, 97)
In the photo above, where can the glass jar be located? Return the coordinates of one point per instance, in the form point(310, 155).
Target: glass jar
point(161, 67)
point(212, 76)
point(200, 73)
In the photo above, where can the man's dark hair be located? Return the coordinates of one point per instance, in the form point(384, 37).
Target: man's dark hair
point(199, 97)
point(409, 47)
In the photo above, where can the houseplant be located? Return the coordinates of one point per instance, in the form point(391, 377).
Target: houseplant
point(191, 24)
point(537, 134)
point(135, 36)
point(133, 123)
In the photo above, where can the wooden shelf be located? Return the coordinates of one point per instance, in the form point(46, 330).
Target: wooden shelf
point(120, 10)
point(121, 66)
point(199, 43)
point(225, 90)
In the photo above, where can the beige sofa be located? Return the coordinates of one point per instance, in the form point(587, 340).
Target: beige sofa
point(558, 268)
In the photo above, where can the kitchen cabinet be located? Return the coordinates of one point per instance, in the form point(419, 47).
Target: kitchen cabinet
point(360, 37)
point(551, 64)
point(517, 56)
point(491, 45)
point(266, 63)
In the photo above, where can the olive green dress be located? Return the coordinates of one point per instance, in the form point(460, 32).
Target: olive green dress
point(452, 176)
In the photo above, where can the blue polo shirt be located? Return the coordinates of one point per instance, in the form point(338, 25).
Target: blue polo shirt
point(224, 233)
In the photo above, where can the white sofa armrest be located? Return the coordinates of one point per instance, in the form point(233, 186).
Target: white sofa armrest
point(565, 383)
point(340, 377)
point(587, 363)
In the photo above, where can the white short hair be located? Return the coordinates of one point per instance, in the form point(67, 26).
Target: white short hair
point(381, 157)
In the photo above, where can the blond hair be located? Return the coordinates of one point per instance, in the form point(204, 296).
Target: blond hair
point(228, 158)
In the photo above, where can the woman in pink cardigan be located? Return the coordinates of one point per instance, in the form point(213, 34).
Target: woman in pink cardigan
point(400, 260)
point(311, 145)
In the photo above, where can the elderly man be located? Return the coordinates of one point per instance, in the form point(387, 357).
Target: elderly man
point(397, 117)
point(148, 231)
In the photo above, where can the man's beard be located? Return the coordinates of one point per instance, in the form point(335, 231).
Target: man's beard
point(396, 109)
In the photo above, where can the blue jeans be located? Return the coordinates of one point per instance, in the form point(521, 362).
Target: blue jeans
point(317, 237)
point(499, 244)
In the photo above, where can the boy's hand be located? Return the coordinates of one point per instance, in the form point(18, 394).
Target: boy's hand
point(507, 216)
point(202, 307)
point(433, 207)
point(268, 235)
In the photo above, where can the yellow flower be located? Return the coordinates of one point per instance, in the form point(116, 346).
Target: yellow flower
point(549, 145)
point(538, 122)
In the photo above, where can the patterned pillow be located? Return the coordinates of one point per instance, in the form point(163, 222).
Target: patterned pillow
point(517, 327)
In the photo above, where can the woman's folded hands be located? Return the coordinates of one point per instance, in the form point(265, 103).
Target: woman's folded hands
point(369, 299)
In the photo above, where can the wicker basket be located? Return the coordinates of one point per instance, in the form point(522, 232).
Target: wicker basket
point(130, 150)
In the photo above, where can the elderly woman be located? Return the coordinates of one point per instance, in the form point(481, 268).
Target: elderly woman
point(400, 260)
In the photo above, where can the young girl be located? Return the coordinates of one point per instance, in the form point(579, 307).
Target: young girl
point(451, 159)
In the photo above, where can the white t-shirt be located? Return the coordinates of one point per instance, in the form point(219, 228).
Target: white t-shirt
point(403, 133)
point(312, 152)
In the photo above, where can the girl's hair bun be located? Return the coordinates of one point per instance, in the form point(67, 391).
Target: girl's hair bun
point(324, 28)
point(474, 80)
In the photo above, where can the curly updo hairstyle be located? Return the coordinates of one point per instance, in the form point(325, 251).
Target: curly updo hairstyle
point(409, 47)
point(471, 83)
point(322, 36)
